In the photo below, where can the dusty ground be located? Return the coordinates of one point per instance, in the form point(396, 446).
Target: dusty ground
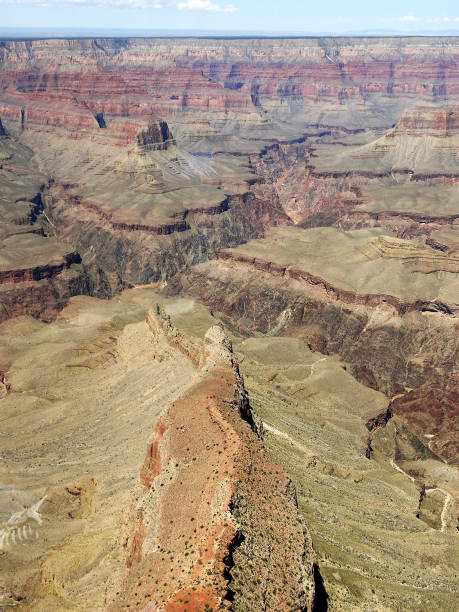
point(84, 395)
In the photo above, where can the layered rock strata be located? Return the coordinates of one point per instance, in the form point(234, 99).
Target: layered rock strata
point(38, 272)
point(379, 336)
point(128, 161)
point(239, 78)
point(431, 412)
point(202, 518)
point(139, 253)
point(224, 546)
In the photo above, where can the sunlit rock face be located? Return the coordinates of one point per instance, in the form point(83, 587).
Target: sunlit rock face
point(85, 85)
point(177, 215)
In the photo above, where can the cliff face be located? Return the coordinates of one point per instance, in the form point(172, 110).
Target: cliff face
point(197, 515)
point(431, 412)
point(379, 341)
point(299, 188)
point(47, 291)
point(141, 254)
point(223, 548)
point(117, 123)
point(217, 76)
point(156, 136)
point(38, 272)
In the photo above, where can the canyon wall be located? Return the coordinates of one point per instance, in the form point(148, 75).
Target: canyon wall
point(306, 192)
point(223, 548)
point(380, 345)
point(157, 150)
point(222, 78)
point(167, 497)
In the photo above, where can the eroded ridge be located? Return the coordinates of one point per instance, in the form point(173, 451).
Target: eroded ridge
point(215, 524)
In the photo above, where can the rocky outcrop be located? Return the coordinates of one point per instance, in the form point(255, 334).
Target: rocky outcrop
point(3, 133)
point(43, 292)
point(225, 547)
point(38, 273)
point(142, 254)
point(155, 137)
point(335, 293)
point(226, 76)
point(428, 121)
point(379, 338)
point(430, 411)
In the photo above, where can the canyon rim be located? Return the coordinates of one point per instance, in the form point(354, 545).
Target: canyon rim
point(229, 301)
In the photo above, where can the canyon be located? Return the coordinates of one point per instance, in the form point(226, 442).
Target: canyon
point(229, 324)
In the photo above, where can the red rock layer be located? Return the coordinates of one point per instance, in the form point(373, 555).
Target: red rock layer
point(383, 356)
point(39, 272)
point(144, 256)
point(213, 504)
point(45, 297)
point(430, 411)
point(422, 121)
point(67, 83)
point(333, 292)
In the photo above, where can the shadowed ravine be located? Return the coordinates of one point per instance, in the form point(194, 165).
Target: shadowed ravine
point(229, 324)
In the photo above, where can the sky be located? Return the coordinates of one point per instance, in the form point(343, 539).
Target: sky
point(331, 16)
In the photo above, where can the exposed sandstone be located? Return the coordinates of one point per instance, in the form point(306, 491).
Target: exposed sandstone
point(224, 547)
point(369, 334)
point(192, 76)
point(156, 136)
point(146, 254)
point(145, 158)
point(45, 297)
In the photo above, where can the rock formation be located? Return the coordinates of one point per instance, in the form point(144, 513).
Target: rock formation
point(431, 412)
point(225, 547)
point(223, 544)
point(290, 282)
point(302, 193)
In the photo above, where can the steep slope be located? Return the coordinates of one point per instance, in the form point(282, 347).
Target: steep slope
point(78, 513)
point(387, 307)
point(136, 472)
point(375, 549)
point(224, 547)
point(150, 147)
point(424, 142)
point(38, 273)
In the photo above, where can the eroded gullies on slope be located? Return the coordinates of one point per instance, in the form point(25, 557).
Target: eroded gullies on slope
point(84, 395)
point(81, 394)
point(38, 271)
point(144, 170)
point(361, 512)
point(372, 550)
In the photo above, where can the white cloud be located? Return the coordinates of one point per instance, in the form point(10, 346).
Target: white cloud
point(191, 5)
point(441, 19)
point(205, 5)
point(410, 18)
